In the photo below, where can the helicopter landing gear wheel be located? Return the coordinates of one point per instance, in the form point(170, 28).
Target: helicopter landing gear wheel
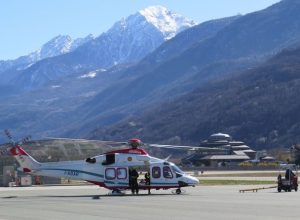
point(178, 191)
point(116, 192)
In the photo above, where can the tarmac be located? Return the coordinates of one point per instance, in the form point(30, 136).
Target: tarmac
point(201, 202)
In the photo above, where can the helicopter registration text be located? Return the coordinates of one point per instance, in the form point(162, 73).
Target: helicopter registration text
point(71, 173)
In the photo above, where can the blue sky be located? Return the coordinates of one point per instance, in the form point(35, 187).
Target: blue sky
point(27, 24)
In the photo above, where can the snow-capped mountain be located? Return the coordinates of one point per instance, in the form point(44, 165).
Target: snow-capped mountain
point(58, 45)
point(80, 41)
point(131, 39)
point(167, 22)
point(61, 44)
point(127, 41)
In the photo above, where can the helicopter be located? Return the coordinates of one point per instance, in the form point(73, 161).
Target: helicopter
point(110, 170)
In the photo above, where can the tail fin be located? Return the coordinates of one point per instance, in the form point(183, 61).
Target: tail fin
point(27, 163)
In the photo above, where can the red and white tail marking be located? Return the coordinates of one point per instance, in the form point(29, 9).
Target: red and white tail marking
point(26, 162)
point(17, 150)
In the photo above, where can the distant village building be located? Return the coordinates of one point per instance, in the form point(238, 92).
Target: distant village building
point(224, 151)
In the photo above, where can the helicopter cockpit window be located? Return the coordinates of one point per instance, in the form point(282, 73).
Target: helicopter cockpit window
point(167, 172)
point(176, 169)
point(156, 172)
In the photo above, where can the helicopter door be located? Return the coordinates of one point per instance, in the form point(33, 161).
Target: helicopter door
point(161, 175)
point(116, 176)
point(168, 175)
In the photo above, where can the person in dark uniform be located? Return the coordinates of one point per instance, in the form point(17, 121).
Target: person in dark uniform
point(133, 181)
point(130, 178)
point(147, 180)
point(289, 174)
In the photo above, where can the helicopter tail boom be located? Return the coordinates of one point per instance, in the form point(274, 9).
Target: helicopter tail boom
point(26, 162)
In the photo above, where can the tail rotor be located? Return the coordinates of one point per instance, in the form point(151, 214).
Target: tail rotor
point(26, 162)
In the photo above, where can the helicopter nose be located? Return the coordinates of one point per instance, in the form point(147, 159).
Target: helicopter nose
point(194, 180)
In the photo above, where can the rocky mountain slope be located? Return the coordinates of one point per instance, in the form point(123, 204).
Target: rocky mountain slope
point(244, 43)
point(259, 106)
point(75, 104)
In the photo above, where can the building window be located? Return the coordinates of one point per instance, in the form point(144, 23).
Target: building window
point(156, 172)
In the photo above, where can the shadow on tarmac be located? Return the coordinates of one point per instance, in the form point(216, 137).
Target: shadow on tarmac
point(104, 195)
point(89, 196)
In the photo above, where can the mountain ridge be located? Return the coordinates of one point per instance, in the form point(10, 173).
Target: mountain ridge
point(156, 79)
point(127, 41)
point(219, 56)
point(58, 92)
point(58, 45)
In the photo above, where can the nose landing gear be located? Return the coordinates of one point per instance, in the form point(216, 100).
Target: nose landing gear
point(178, 191)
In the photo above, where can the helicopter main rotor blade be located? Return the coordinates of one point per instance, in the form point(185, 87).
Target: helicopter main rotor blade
point(190, 148)
point(86, 141)
point(82, 144)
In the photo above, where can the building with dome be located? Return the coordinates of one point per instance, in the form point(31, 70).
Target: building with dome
point(224, 152)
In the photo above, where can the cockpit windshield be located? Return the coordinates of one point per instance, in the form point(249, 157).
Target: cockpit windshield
point(176, 169)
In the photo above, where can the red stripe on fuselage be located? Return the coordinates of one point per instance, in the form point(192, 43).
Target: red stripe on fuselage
point(97, 183)
point(101, 184)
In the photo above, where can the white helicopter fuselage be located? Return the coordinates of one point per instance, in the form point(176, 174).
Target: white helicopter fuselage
point(110, 170)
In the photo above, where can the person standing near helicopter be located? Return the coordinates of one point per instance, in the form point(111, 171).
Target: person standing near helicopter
point(147, 180)
point(133, 181)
